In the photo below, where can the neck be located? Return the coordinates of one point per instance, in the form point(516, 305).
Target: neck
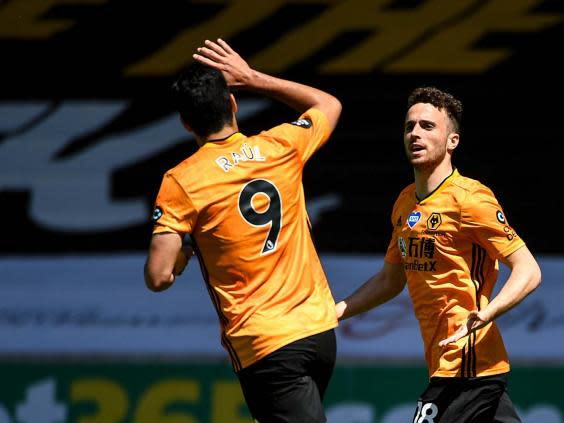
point(428, 179)
point(222, 134)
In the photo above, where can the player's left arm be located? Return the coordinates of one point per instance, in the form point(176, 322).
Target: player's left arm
point(167, 258)
point(238, 74)
point(486, 225)
point(524, 278)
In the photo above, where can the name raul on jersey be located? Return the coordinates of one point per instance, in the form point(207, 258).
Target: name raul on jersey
point(246, 153)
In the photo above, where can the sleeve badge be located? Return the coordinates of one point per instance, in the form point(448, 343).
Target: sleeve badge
point(302, 123)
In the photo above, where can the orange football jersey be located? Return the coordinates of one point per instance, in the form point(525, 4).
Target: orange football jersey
point(243, 203)
point(449, 244)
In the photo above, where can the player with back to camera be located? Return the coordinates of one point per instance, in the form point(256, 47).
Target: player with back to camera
point(241, 201)
point(449, 232)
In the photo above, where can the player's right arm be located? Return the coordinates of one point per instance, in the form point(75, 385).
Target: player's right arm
point(167, 259)
point(159, 267)
point(173, 218)
point(380, 288)
point(239, 74)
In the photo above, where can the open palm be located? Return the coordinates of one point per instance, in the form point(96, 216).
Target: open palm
point(219, 55)
point(474, 322)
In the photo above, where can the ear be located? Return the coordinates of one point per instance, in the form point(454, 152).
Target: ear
point(452, 141)
point(234, 106)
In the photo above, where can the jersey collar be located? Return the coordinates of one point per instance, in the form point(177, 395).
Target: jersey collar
point(442, 185)
point(222, 143)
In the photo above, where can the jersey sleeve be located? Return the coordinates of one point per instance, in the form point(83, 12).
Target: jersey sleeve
point(483, 219)
point(174, 212)
point(393, 254)
point(306, 135)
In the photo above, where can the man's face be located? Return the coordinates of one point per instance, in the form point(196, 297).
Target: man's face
point(426, 136)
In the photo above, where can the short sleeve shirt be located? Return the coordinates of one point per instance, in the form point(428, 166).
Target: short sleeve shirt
point(242, 201)
point(449, 245)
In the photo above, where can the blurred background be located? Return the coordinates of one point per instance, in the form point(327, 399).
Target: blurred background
point(86, 134)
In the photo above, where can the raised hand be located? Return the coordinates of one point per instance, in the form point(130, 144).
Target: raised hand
point(221, 56)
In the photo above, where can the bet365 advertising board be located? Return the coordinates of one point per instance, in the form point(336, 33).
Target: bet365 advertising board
point(153, 392)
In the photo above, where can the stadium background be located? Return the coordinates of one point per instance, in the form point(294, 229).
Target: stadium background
point(86, 133)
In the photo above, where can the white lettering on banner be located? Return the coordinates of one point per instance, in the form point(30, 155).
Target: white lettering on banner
point(79, 186)
point(540, 413)
point(79, 312)
point(319, 205)
point(15, 116)
point(351, 412)
point(360, 412)
point(399, 413)
point(40, 405)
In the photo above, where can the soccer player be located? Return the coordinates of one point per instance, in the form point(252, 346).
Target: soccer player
point(241, 200)
point(449, 232)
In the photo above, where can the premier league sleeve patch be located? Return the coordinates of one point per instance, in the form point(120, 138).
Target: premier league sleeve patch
point(157, 213)
point(302, 123)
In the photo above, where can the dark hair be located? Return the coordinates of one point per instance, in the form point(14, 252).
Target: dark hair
point(441, 100)
point(201, 96)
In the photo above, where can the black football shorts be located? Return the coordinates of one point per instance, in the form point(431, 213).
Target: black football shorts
point(466, 400)
point(287, 386)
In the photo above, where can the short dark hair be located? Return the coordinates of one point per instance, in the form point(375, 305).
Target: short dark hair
point(441, 100)
point(201, 96)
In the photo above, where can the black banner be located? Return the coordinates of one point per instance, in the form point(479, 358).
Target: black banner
point(86, 132)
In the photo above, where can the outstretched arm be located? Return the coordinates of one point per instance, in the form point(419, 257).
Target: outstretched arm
point(524, 278)
point(239, 74)
point(382, 287)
